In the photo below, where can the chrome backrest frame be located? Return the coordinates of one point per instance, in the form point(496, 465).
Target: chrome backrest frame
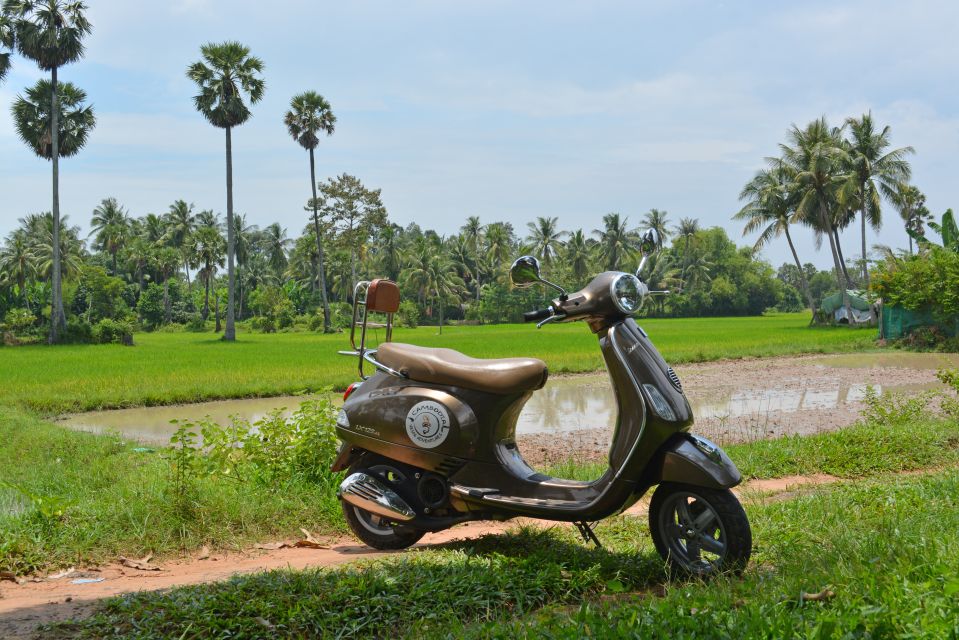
point(363, 354)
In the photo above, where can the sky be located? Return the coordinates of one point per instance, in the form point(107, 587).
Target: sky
point(503, 110)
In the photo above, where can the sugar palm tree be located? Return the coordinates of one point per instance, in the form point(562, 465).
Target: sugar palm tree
point(770, 207)
point(910, 203)
point(615, 241)
point(875, 168)
point(180, 225)
point(226, 75)
point(6, 42)
point(816, 158)
point(51, 32)
point(309, 117)
point(32, 120)
point(545, 236)
point(658, 221)
point(111, 226)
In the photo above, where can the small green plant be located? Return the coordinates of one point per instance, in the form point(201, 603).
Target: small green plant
point(408, 315)
point(48, 508)
point(184, 466)
point(894, 409)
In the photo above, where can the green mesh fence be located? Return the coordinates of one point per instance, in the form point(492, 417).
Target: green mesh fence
point(896, 322)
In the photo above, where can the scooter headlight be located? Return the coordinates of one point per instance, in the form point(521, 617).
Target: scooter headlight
point(627, 292)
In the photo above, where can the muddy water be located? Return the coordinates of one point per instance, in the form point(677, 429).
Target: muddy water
point(735, 400)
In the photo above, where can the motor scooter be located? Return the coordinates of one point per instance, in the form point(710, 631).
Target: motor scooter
point(429, 439)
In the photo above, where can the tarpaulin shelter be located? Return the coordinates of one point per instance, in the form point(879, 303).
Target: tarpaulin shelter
point(862, 310)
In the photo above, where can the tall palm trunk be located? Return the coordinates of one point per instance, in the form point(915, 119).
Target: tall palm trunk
point(58, 319)
point(802, 274)
point(441, 315)
point(842, 258)
point(167, 310)
point(865, 265)
point(230, 333)
point(321, 267)
point(824, 219)
point(206, 297)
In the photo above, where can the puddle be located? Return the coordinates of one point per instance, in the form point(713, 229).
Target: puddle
point(749, 390)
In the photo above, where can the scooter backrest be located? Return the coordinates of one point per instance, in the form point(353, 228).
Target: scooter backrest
point(383, 295)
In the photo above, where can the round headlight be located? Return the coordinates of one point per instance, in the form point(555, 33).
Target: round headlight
point(627, 292)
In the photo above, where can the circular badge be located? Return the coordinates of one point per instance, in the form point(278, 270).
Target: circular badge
point(428, 424)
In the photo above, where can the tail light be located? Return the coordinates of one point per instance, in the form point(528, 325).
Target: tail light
point(350, 389)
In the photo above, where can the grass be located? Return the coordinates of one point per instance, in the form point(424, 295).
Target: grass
point(118, 501)
point(167, 368)
point(886, 548)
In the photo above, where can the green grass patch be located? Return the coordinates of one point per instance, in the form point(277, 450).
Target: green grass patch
point(887, 548)
point(167, 368)
point(84, 498)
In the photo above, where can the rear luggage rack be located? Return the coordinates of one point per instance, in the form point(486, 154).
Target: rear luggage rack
point(378, 295)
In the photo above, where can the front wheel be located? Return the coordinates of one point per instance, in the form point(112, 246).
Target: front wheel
point(699, 531)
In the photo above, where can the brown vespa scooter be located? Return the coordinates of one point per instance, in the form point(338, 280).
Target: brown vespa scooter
point(429, 440)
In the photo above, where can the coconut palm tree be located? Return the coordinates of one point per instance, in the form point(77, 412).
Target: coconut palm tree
point(51, 32)
point(166, 261)
point(472, 231)
point(816, 158)
point(209, 248)
point(874, 168)
point(111, 226)
point(687, 230)
point(18, 263)
point(578, 255)
point(32, 120)
point(226, 75)
point(615, 241)
point(770, 207)
point(309, 117)
point(180, 226)
point(275, 244)
point(153, 228)
point(658, 221)
point(545, 236)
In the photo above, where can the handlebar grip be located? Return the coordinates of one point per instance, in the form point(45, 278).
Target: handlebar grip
point(535, 316)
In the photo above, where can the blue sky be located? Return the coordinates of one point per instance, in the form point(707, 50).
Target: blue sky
point(503, 110)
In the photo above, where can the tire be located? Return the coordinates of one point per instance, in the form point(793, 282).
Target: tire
point(699, 532)
point(373, 530)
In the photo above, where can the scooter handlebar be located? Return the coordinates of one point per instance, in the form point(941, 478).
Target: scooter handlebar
point(539, 314)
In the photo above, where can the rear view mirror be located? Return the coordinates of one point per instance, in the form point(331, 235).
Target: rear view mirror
point(525, 272)
point(649, 242)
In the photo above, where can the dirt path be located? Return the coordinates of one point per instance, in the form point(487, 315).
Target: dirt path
point(25, 606)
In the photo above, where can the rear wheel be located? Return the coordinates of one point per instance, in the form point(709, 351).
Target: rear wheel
point(375, 530)
point(699, 531)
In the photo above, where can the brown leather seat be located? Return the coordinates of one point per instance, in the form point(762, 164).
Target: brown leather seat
point(448, 367)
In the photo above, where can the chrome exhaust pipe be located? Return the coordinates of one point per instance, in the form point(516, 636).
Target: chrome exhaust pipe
point(370, 494)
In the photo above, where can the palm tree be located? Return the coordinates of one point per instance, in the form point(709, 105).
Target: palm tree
point(209, 253)
point(614, 241)
point(310, 116)
point(6, 41)
point(687, 230)
point(910, 202)
point(111, 224)
point(32, 120)
point(659, 222)
point(499, 244)
point(51, 32)
point(816, 159)
point(545, 237)
point(770, 207)
point(18, 263)
point(275, 244)
point(139, 255)
point(166, 261)
point(875, 168)
point(225, 74)
point(153, 228)
point(180, 226)
point(578, 255)
point(472, 231)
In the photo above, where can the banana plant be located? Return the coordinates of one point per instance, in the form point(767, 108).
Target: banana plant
point(947, 230)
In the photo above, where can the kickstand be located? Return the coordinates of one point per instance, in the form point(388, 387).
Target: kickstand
point(586, 530)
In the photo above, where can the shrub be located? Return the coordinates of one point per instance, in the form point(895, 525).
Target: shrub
point(341, 315)
point(113, 331)
point(315, 322)
point(196, 323)
point(408, 314)
point(18, 322)
point(78, 331)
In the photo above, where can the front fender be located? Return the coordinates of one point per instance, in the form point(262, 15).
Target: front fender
point(691, 459)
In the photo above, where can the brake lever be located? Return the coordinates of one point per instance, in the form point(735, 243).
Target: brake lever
point(552, 318)
point(665, 292)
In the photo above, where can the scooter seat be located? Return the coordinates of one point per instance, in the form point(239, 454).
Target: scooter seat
point(449, 367)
